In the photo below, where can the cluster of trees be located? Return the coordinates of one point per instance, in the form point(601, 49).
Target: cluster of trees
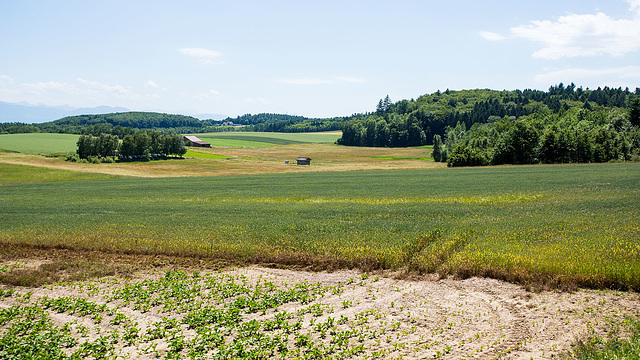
point(284, 123)
point(134, 119)
point(415, 122)
point(18, 128)
point(140, 144)
point(574, 136)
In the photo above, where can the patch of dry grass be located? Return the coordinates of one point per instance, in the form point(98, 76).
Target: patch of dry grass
point(246, 161)
point(33, 266)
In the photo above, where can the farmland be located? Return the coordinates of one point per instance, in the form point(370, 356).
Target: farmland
point(399, 216)
point(517, 223)
point(39, 143)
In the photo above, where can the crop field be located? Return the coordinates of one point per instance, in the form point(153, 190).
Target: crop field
point(570, 225)
point(245, 139)
point(39, 143)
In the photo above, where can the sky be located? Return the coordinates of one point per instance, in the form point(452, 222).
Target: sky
point(310, 58)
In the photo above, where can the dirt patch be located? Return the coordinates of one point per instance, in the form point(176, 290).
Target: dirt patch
point(413, 319)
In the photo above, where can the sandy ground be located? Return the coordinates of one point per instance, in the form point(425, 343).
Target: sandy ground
point(451, 319)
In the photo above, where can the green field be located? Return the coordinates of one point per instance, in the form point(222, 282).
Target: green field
point(21, 174)
point(257, 139)
point(39, 143)
point(200, 155)
point(559, 225)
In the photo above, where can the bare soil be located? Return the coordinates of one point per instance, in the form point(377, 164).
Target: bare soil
point(474, 318)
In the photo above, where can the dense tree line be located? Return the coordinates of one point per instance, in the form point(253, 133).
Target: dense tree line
point(249, 119)
point(121, 124)
point(291, 126)
point(139, 144)
point(416, 122)
point(574, 136)
point(136, 120)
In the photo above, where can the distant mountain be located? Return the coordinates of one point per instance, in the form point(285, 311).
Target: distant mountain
point(27, 113)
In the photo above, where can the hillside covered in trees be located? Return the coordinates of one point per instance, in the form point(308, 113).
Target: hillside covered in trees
point(124, 123)
point(480, 127)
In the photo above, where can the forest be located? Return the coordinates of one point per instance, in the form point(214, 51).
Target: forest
point(121, 124)
point(482, 127)
point(142, 144)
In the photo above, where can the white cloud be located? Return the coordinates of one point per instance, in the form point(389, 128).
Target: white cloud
point(586, 35)
point(211, 94)
point(98, 86)
point(205, 56)
point(81, 92)
point(151, 84)
point(48, 86)
point(349, 79)
point(257, 100)
point(574, 74)
point(491, 36)
point(634, 5)
point(5, 80)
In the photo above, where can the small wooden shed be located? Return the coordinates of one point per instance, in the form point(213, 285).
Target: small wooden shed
point(303, 161)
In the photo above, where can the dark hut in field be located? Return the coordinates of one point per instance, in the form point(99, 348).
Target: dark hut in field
point(303, 161)
point(196, 142)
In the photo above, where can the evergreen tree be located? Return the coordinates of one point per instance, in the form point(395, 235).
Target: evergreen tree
point(634, 111)
point(438, 153)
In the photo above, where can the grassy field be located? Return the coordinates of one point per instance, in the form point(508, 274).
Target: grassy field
point(566, 226)
point(257, 139)
point(38, 143)
point(23, 174)
point(204, 155)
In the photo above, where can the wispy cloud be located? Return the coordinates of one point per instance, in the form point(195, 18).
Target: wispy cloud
point(205, 56)
point(152, 84)
point(211, 94)
point(80, 92)
point(5, 80)
point(491, 36)
point(96, 85)
point(257, 100)
point(586, 35)
point(48, 86)
point(574, 74)
point(320, 81)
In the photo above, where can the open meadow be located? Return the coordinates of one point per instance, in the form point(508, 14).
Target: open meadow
point(410, 257)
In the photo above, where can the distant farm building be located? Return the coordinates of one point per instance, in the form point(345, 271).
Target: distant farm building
point(303, 161)
point(196, 142)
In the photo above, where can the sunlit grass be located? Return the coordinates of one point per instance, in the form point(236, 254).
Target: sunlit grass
point(273, 138)
point(571, 225)
point(39, 143)
point(21, 174)
point(203, 155)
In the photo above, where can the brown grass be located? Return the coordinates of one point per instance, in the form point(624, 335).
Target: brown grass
point(33, 266)
point(245, 161)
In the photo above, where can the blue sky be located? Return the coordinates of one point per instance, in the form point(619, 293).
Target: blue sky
point(311, 58)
